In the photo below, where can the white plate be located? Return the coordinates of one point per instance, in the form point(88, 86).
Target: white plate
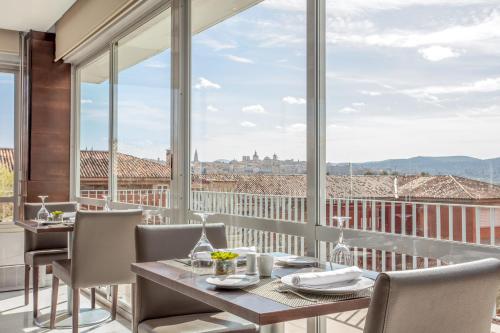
point(332, 289)
point(232, 281)
point(50, 222)
point(296, 261)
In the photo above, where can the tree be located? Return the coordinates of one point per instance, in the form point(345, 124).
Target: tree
point(6, 189)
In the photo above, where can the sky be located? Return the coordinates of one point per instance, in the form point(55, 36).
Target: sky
point(403, 78)
point(7, 101)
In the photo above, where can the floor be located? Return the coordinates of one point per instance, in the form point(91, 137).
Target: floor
point(16, 317)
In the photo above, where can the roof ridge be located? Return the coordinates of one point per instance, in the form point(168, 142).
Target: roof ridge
point(462, 187)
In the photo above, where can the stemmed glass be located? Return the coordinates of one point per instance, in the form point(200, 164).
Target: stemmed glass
point(200, 254)
point(106, 205)
point(341, 253)
point(43, 214)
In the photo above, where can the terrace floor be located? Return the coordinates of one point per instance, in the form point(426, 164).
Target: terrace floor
point(15, 317)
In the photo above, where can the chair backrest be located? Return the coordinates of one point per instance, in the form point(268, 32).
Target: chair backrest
point(163, 242)
point(103, 248)
point(57, 240)
point(450, 299)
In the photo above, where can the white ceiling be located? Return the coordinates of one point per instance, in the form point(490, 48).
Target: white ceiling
point(24, 15)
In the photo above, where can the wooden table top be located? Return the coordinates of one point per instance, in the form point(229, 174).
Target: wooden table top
point(257, 309)
point(37, 228)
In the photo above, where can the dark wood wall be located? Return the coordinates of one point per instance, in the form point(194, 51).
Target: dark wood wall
point(50, 118)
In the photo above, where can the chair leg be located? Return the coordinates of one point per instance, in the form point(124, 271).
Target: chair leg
point(53, 305)
point(114, 301)
point(134, 288)
point(35, 291)
point(27, 284)
point(76, 309)
point(92, 298)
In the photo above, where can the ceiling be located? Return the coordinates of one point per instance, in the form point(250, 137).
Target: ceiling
point(24, 15)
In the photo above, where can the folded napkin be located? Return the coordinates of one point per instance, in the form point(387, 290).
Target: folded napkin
point(69, 215)
point(324, 278)
point(241, 251)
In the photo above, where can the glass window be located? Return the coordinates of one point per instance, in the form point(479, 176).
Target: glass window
point(412, 117)
point(248, 135)
point(7, 107)
point(143, 116)
point(94, 128)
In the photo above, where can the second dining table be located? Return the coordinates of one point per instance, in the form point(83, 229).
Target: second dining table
point(260, 304)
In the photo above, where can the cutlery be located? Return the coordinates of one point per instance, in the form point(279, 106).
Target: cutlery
point(285, 289)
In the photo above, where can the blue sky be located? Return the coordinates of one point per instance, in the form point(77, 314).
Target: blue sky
point(404, 78)
point(7, 100)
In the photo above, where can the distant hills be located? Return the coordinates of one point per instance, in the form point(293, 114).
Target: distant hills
point(487, 170)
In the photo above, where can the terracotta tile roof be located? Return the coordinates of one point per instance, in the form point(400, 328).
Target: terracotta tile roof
point(7, 158)
point(94, 164)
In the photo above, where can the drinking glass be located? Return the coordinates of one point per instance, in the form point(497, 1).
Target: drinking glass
point(201, 253)
point(341, 253)
point(106, 205)
point(43, 214)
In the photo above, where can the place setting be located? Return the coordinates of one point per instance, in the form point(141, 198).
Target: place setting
point(56, 217)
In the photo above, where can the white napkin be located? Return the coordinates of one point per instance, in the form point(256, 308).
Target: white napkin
point(68, 215)
point(325, 278)
point(241, 251)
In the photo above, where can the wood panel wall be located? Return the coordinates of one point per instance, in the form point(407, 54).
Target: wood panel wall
point(50, 118)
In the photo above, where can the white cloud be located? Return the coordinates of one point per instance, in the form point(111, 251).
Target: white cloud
point(212, 108)
point(239, 59)
point(257, 108)
point(298, 127)
point(481, 86)
point(218, 45)
point(371, 93)
point(358, 104)
point(86, 101)
point(247, 124)
point(204, 83)
point(348, 109)
point(155, 64)
point(437, 53)
point(294, 100)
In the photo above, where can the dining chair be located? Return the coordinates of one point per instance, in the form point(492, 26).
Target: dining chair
point(160, 309)
point(42, 249)
point(103, 250)
point(449, 299)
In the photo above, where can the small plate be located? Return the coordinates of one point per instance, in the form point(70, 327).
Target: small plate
point(296, 261)
point(346, 287)
point(232, 281)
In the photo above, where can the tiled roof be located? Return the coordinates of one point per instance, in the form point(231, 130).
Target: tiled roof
point(7, 158)
point(94, 165)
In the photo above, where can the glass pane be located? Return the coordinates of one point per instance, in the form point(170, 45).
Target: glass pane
point(94, 128)
point(249, 115)
point(143, 159)
point(7, 106)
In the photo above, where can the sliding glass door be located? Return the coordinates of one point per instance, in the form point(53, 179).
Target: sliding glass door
point(11, 240)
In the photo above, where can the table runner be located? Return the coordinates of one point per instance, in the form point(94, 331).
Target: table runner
point(267, 288)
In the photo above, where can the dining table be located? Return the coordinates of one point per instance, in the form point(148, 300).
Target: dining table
point(259, 304)
point(87, 316)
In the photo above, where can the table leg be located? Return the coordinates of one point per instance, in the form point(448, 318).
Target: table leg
point(273, 328)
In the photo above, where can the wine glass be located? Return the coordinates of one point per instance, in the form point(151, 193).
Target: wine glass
point(43, 214)
point(201, 253)
point(341, 254)
point(106, 207)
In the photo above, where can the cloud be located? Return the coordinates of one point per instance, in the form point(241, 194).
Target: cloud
point(257, 108)
point(212, 108)
point(294, 100)
point(239, 59)
point(358, 104)
point(155, 64)
point(348, 109)
point(481, 86)
point(206, 84)
point(247, 124)
point(218, 45)
point(86, 101)
point(437, 53)
point(371, 93)
point(298, 127)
